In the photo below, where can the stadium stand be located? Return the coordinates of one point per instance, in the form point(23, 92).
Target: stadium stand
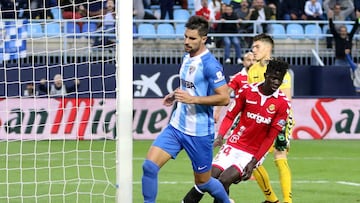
point(165, 31)
point(313, 31)
point(14, 44)
point(179, 30)
point(181, 14)
point(89, 27)
point(295, 31)
point(325, 28)
point(191, 4)
point(72, 29)
point(349, 27)
point(56, 12)
point(35, 30)
point(278, 31)
point(146, 31)
point(53, 29)
point(135, 30)
point(296, 45)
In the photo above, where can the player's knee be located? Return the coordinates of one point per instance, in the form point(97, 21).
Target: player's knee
point(150, 168)
point(226, 182)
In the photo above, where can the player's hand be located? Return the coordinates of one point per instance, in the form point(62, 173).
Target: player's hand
point(246, 175)
point(218, 141)
point(281, 141)
point(184, 97)
point(169, 99)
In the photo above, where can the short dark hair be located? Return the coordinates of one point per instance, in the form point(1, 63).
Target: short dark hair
point(277, 65)
point(264, 38)
point(198, 23)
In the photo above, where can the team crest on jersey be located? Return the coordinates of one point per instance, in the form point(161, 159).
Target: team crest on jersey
point(191, 69)
point(271, 109)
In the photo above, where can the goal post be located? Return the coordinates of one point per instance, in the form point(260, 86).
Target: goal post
point(125, 102)
point(62, 143)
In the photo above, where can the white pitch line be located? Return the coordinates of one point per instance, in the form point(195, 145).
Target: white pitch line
point(89, 182)
point(348, 183)
point(295, 182)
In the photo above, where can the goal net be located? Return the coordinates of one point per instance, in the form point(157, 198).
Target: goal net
point(58, 101)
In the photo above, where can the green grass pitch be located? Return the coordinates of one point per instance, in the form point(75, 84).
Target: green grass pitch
point(323, 171)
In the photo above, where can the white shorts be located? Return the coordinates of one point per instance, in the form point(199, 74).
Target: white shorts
point(230, 156)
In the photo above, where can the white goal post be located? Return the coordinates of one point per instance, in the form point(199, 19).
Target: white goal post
point(125, 103)
point(64, 99)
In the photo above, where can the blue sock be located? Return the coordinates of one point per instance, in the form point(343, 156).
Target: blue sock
point(150, 181)
point(216, 189)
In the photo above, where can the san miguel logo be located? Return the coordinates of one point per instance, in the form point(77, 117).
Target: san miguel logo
point(322, 120)
point(77, 118)
point(327, 118)
point(58, 118)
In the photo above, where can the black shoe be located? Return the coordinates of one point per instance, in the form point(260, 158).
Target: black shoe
point(277, 201)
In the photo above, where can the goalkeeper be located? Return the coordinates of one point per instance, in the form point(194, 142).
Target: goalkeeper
point(262, 48)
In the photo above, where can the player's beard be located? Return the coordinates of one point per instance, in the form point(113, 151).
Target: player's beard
point(191, 50)
point(187, 48)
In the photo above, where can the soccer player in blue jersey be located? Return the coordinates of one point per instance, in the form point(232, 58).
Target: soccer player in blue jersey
point(202, 86)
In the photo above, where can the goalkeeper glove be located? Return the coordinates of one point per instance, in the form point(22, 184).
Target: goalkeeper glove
point(281, 141)
point(289, 126)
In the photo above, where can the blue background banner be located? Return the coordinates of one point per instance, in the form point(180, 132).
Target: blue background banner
point(154, 81)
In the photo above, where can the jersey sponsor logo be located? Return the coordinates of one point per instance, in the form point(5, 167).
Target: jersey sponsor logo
point(220, 77)
point(258, 118)
point(271, 109)
point(187, 84)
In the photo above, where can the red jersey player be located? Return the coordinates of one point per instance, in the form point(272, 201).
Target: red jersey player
point(240, 78)
point(264, 110)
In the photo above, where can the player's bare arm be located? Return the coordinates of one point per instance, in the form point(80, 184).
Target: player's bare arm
point(217, 109)
point(220, 98)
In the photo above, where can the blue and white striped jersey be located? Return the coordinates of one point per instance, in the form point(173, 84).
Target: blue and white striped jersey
point(199, 76)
